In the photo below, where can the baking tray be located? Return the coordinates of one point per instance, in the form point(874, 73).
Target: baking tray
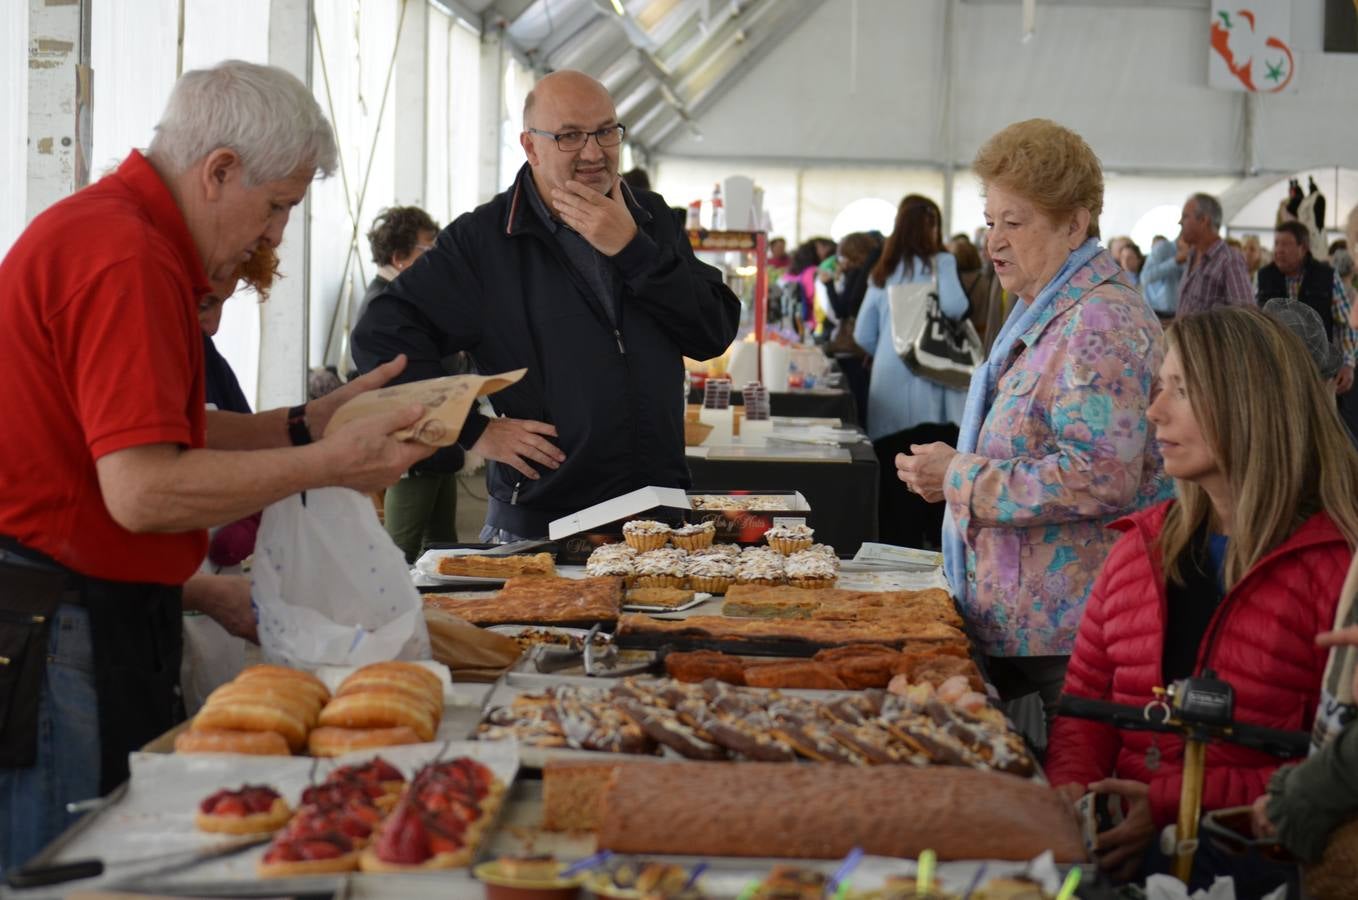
point(698, 600)
point(511, 685)
point(526, 675)
point(749, 647)
point(530, 757)
point(153, 813)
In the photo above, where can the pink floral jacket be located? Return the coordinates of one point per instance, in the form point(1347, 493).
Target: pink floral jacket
point(1065, 450)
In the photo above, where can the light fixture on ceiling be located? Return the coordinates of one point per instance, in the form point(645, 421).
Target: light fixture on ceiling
point(618, 8)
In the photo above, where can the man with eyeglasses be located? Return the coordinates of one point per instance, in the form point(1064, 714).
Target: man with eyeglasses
point(587, 283)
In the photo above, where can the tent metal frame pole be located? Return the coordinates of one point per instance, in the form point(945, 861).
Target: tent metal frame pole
point(945, 114)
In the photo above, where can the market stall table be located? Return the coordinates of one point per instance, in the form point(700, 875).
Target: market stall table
point(825, 403)
point(842, 494)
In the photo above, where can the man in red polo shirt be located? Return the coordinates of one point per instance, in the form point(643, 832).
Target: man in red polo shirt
point(110, 468)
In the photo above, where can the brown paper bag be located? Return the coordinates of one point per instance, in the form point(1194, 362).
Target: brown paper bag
point(473, 654)
point(446, 401)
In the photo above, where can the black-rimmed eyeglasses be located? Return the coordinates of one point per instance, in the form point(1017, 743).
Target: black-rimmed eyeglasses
point(570, 141)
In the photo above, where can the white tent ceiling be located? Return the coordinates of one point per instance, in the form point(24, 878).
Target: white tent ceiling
point(865, 80)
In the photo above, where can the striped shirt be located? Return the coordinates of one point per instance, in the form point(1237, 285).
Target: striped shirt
point(1215, 278)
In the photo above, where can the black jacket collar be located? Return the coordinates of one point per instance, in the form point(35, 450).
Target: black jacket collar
point(521, 217)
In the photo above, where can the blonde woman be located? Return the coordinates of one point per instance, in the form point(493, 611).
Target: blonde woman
point(1236, 576)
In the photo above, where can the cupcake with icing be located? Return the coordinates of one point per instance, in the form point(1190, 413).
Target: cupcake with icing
point(615, 565)
point(788, 539)
point(712, 574)
point(660, 568)
point(644, 535)
point(694, 537)
point(730, 551)
point(766, 570)
point(811, 570)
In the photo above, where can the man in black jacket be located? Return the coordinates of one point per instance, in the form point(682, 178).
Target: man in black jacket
point(1295, 274)
point(589, 285)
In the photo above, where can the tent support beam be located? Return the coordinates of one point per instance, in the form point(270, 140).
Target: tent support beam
point(647, 59)
point(945, 112)
point(789, 17)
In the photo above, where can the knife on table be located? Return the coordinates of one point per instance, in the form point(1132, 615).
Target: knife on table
point(174, 861)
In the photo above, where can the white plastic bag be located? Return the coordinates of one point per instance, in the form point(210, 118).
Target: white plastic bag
point(1167, 887)
point(330, 586)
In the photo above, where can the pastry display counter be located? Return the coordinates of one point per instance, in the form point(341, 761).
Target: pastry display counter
point(639, 765)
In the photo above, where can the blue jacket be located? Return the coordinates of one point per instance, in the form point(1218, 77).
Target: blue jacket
point(1160, 279)
point(498, 285)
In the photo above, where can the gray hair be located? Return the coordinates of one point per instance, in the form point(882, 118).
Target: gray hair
point(1208, 206)
point(263, 113)
point(1305, 323)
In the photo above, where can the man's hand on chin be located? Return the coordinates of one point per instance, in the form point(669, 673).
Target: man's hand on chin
point(602, 219)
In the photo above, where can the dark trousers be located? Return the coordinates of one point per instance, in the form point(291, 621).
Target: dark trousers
point(903, 517)
point(856, 381)
point(1029, 687)
point(421, 509)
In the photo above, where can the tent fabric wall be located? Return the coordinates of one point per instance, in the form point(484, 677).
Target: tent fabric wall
point(213, 32)
point(133, 51)
point(358, 42)
point(804, 201)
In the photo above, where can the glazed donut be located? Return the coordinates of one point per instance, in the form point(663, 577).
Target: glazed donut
point(310, 683)
point(209, 740)
point(244, 715)
point(409, 689)
point(329, 740)
point(380, 709)
point(254, 809)
point(411, 677)
point(295, 702)
point(432, 681)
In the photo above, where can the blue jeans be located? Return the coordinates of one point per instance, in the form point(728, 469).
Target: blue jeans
point(33, 800)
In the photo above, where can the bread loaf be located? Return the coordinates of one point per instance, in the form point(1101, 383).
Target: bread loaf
point(571, 794)
point(821, 811)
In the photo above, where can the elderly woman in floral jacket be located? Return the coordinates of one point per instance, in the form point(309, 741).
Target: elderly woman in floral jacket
point(1054, 443)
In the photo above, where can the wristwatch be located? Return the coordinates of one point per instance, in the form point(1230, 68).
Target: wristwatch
point(298, 431)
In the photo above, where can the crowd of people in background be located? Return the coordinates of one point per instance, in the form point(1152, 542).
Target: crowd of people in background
point(1194, 271)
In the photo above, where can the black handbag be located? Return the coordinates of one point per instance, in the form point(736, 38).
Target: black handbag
point(930, 344)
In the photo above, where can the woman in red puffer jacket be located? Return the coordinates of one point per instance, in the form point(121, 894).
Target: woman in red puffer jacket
point(1236, 576)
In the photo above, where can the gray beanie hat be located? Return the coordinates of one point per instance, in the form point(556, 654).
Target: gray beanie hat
point(1303, 321)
